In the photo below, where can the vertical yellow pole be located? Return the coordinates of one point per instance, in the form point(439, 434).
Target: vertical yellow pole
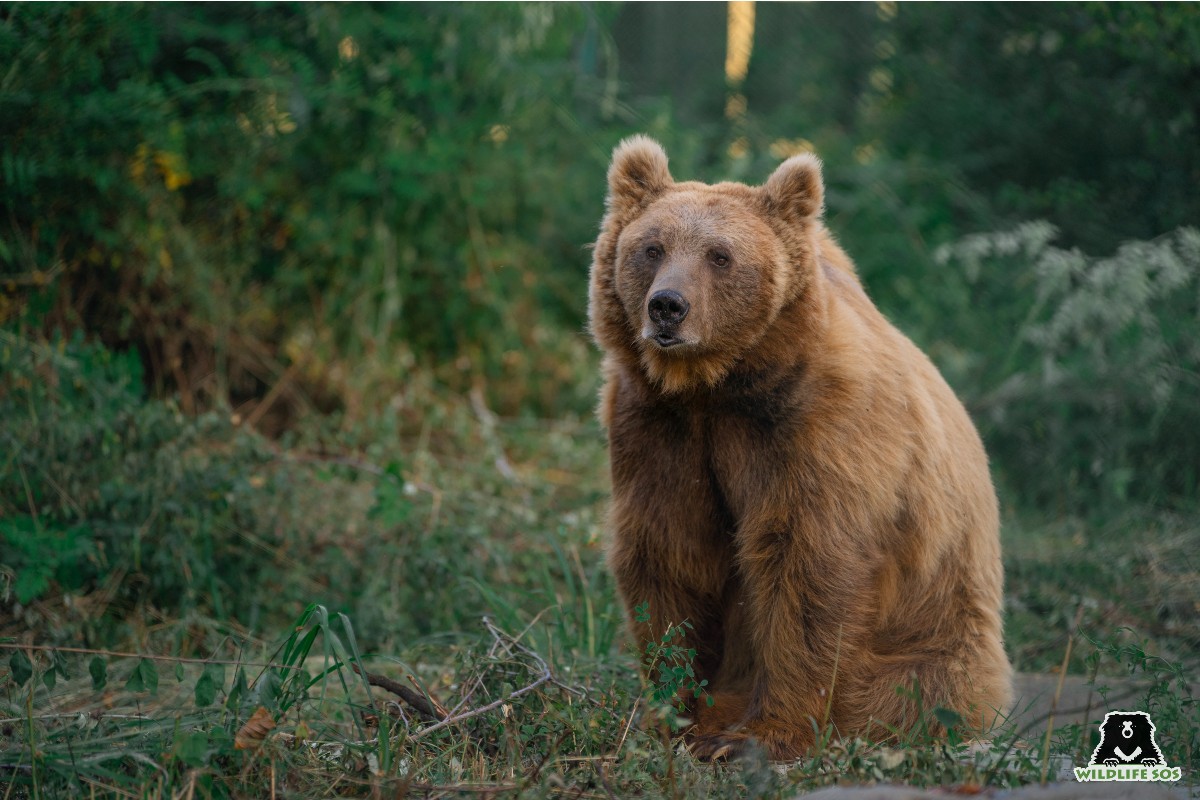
point(740, 40)
point(739, 43)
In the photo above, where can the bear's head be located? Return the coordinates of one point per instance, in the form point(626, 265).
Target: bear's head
point(688, 277)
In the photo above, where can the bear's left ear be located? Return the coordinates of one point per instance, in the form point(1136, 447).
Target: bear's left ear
point(795, 190)
point(638, 174)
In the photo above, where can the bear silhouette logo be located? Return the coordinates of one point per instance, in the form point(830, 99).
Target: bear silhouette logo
point(1126, 740)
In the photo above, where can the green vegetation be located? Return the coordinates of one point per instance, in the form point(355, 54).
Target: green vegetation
point(295, 389)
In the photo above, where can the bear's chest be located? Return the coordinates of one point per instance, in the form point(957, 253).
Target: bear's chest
point(753, 456)
point(742, 446)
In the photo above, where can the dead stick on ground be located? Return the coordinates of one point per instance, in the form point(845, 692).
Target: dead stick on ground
point(428, 695)
point(475, 712)
point(423, 706)
point(415, 699)
point(628, 725)
point(265, 404)
point(509, 643)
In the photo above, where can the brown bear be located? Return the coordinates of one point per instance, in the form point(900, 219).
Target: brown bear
point(789, 472)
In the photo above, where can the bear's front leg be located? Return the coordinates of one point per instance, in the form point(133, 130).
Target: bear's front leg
point(809, 599)
point(672, 542)
point(664, 580)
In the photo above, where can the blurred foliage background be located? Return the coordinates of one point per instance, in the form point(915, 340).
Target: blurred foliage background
point(269, 227)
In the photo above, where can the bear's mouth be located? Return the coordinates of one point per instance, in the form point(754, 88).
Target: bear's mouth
point(665, 340)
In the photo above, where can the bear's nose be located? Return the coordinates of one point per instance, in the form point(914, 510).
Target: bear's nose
point(668, 308)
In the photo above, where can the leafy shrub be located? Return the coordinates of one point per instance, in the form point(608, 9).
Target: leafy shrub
point(129, 503)
point(119, 511)
point(1085, 376)
point(360, 188)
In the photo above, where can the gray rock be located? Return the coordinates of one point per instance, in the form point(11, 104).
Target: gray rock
point(1034, 694)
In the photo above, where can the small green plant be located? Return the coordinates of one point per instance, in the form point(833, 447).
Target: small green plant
point(669, 664)
point(41, 555)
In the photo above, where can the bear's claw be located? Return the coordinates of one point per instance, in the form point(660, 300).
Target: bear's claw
point(724, 746)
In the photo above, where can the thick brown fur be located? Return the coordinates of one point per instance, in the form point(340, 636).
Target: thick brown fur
point(790, 474)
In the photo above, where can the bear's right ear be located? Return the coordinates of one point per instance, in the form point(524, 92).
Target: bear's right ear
point(638, 174)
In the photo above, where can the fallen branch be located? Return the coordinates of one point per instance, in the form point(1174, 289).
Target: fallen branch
point(545, 676)
point(509, 642)
point(487, 424)
point(417, 701)
point(475, 712)
point(432, 711)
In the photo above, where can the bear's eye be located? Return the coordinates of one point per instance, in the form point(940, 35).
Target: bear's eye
point(720, 259)
point(654, 252)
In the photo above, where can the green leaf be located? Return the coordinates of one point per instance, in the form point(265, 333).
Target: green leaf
point(144, 677)
point(59, 663)
point(206, 691)
point(49, 678)
point(947, 717)
point(135, 682)
point(210, 680)
point(267, 690)
point(192, 748)
point(179, 671)
point(98, 669)
point(149, 675)
point(22, 670)
point(239, 689)
point(30, 584)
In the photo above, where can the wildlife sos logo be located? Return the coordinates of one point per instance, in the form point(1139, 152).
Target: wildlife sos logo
point(1127, 751)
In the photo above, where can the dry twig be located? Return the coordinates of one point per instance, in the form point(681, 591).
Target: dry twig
point(417, 701)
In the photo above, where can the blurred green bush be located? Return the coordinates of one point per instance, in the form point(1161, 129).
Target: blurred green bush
point(123, 519)
point(1089, 391)
point(127, 503)
point(262, 196)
